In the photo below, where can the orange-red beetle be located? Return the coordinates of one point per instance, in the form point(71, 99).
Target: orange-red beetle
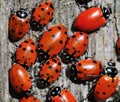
point(19, 25)
point(26, 53)
point(42, 15)
point(92, 19)
point(19, 78)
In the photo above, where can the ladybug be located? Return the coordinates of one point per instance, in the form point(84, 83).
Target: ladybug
point(42, 15)
point(107, 83)
point(29, 99)
point(56, 94)
point(75, 46)
point(20, 79)
point(26, 53)
point(118, 49)
point(49, 72)
point(52, 42)
point(82, 1)
point(92, 19)
point(84, 70)
point(19, 25)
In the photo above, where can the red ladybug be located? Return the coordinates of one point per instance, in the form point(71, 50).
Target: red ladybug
point(49, 72)
point(19, 78)
point(107, 84)
point(118, 49)
point(76, 46)
point(85, 70)
point(19, 25)
point(58, 95)
point(52, 41)
point(42, 15)
point(92, 19)
point(29, 99)
point(26, 53)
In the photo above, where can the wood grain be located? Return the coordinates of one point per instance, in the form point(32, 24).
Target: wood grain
point(102, 42)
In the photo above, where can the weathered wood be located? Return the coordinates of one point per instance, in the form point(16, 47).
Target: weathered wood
point(102, 42)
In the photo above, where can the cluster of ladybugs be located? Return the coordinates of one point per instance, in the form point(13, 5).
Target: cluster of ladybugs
point(51, 43)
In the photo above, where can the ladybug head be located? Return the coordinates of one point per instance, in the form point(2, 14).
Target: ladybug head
point(106, 12)
point(21, 13)
point(111, 71)
point(111, 64)
point(54, 91)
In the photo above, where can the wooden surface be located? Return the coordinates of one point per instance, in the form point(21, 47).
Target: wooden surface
point(101, 42)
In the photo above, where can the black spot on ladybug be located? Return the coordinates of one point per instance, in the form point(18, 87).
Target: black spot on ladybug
point(15, 23)
point(73, 36)
point(81, 33)
point(46, 3)
point(41, 45)
point(52, 77)
point(50, 67)
point(33, 43)
point(48, 63)
point(26, 41)
point(41, 75)
point(48, 13)
point(13, 18)
point(61, 41)
point(13, 31)
point(42, 9)
point(59, 28)
point(54, 60)
point(53, 36)
point(22, 85)
point(56, 70)
point(21, 25)
point(104, 93)
point(47, 74)
point(97, 92)
point(84, 44)
point(24, 49)
point(119, 49)
point(43, 19)
point(20, 33)
point(67, 49)
point(31, 51)
point(73, 48)
point(38, 15)
point(65, 33)
point(49, 29)
point(87, 37)
point(23, 57)
point(98, 83)
point(51, 6)
point(79, 64)
point(59, 64)
point(16, 87)
point(94, 61)
point(79, 51)
point(85, 69)
point(40, 5)
point(26, 22)
point(108, 85)
point(20, 46)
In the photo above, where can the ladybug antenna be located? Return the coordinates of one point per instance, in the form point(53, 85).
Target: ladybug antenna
point(106, 12)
